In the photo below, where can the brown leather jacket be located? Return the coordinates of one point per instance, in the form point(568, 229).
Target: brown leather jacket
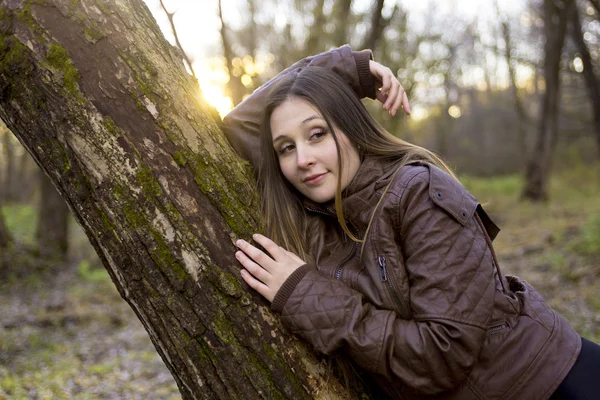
point(425, 310)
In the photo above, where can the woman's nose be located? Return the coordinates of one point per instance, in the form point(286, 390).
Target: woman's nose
point(305, 157)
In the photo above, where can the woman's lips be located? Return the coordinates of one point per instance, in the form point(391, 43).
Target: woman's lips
point(314, 179)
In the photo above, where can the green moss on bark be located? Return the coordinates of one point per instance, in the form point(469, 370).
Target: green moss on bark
point(13, 57)
point(102, 7)
point(93, 33)
point(110, 126)
point(58, 58)
point(179, 158)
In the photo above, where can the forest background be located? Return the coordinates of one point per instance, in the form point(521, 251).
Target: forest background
point(507, 92)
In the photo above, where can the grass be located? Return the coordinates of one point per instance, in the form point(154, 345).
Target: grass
point(21, 220)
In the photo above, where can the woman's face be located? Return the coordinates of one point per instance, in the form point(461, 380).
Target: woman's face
point(307, 151)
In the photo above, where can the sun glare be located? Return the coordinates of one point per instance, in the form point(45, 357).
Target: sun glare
point(419, 113)
point(212, 79)
point(214, 96)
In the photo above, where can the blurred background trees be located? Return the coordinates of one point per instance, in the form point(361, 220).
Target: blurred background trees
point(507, 91)
point(495, 88)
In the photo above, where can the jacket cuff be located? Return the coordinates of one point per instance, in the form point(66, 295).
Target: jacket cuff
point(367, 83)
point(286, 290)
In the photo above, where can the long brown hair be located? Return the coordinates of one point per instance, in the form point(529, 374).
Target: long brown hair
point(282, 207)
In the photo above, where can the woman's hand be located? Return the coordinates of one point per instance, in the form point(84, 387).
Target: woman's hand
point(390, 93)
point(263, 273)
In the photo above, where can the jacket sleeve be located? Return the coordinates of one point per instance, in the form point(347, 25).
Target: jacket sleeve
point(242, 124)
point(452, 289)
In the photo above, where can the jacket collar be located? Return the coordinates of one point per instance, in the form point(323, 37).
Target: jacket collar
point(362, 194)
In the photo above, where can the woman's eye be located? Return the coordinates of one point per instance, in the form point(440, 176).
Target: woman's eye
point(318, 134)
point(286, 149)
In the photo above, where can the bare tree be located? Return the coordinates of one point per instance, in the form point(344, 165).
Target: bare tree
point(341, 13)
point(8, 189)
point(523, 120)
point(53, 222)
point(377, 25)
point(314, 43)
point(104, 105)
point(556, 16)
point(187, 59)
point(5, 236)
point(235, 87)
point(591, 80)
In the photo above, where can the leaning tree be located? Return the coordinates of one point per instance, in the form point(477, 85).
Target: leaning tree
point(104, 105)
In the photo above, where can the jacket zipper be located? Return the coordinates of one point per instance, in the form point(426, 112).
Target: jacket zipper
point(338, 271)
point(381, 260)
point(382, 268)
point(384, 277)
point(497, 328)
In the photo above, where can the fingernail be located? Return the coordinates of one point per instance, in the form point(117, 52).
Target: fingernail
point(256, 236)
point(239, 242)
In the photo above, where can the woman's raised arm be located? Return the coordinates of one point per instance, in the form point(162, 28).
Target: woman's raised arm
point(242, 124)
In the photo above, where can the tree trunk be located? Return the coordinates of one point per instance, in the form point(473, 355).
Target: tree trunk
point(53, 222)
point(377, 25)
point(314, 42)
point(538, 167)
point(234, 85)
point(6, 242)
point(591, 81)
point(5, 236)
point(25, 181)
point(523, 120)
point(8, 189)
point(341, 13)
point(105, 107)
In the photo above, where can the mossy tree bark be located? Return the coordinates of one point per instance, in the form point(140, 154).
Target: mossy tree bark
point(104, 105)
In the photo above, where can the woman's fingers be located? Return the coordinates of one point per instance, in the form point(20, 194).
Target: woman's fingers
point(256, 270)
point(392, 95)
point(294, 257)
point(257, 285)
point(405, 104)
point(382, 97)
point(269, 245)
point(386, 83)
point(397, 100)
point(263, 273)
point(255, 254)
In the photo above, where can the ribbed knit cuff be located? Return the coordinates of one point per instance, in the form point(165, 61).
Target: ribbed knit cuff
point(367, 83)
point(286, 290)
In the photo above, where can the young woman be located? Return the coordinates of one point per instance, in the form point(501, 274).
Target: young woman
point(375, 248)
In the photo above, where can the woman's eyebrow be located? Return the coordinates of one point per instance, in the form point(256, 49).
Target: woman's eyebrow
point(279, 138)
point(312, 117)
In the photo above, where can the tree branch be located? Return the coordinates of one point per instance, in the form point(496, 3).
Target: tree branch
point(174, 30)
